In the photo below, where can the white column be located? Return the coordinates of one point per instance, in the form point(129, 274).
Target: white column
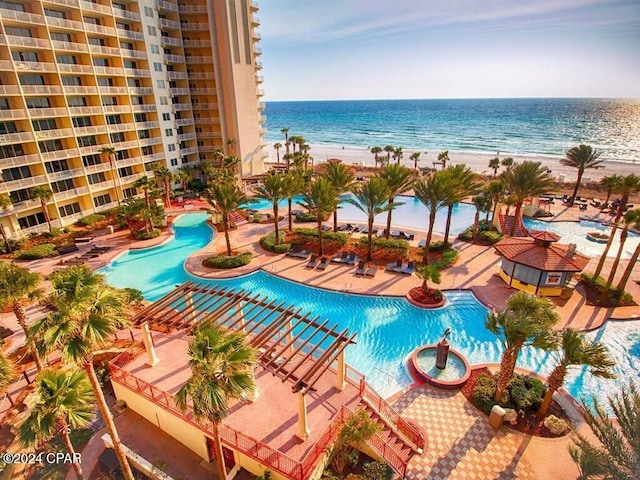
point(152, 359)
point(303, 426)
point(342, 372)
point(190, 317)
point(240, 315)
point(253, 396)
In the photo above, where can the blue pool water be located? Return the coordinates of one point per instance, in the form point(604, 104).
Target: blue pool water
point(388, 328)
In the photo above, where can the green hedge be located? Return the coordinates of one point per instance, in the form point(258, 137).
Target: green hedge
point(341, 238)
point(491, 236)
point(226, 262)
point(449, 256)
point(305, 217)
point(383, 243)
point(143, 235)
point(39, 251)
point(522, 393)
point(484, 392)
point(614, 296)
point(91, 219)
point(268, 243)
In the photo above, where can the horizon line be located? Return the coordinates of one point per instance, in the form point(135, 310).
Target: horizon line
point(453, 98)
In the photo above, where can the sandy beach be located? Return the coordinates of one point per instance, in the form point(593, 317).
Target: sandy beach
point(476, 161)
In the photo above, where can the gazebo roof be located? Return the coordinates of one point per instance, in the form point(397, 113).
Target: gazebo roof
point(285, 337)
point(551, 258)
point(544, 236)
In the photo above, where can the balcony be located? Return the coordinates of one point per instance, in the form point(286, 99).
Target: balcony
point(261, 92)
point(55, 133)
point(202, 76)
point(90, 27)
point(181, 106)
point(256, 35)
point(26, 205)
point(73, 193)
point(141, 90)
point(127, 53)
point(154, 157)
point(137, 176)
point(209, 135)
point(104, 50)
point(28, 42)
point(24, 17)
point(128, 162)
point(117, 108)
point(186, 137)
point(6, 210)
point(199, 27)
point(254, 5)
point(259, 79)
point(99, 70)
point(113, 90)
point(169, 58)
point(181, 122)
point(96, 7)
point(143, 108)
point(170, 41)
point(101, 186)
point(177, 75)
point(258, 65)
point(85, 110)
point(65, 174)
point(79, 90)
point(67, 3)
point(118, 12)
point(179, 91)
point(197, 43)
point(89, 150)
point(188, 150)
point(200, 60)
point(164, 5)
point(22, 183)
point(192, 8)
point(69, 46)
point(136, 72)
point(13, 114)
point(125, 145)
point(130, 34)
point(16, 138)
point(255, 21)
point(20, 161)
point(69, 219)
point(107, 206)
point(150, 141)
point(147, 125)
point(64, 23)
point(35, 67)
point(93, 130)
point(74, 68)
point(48, 112)
point(122, 127)
point(60, 154)
point(169, 23)
point(205, 106)
point(204, 91)
point(100, 167)
point(10, 90)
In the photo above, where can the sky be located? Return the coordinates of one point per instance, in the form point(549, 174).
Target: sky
point(381, 49)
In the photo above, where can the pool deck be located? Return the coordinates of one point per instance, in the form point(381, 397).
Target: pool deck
point(461, 445)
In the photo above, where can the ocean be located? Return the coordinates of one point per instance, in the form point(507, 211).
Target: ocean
point(536, 126)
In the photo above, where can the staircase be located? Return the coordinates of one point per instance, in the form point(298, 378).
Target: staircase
point(388, 439)
point(507, 221)
point(236, 217)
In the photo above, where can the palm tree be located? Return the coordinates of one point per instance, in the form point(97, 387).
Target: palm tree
point(627, 271)
point(581, 157)
point(296, 140)
point(277, 146)
point(273, 189)
point(164, 174)
point(19, 287)
point(626, 186)
point(285, 132)
point(527, 320)
point(443, 158)
point(145, 184)
point(616, 455)
point(231, 145)
point(376, 151)
point(221, 368)
point(341, 177)
point(225, 197)
point(494, 164)
point(294, 185)
point(5, 201)
point(64, 401)
point(495, 189)
point(110, 152)
point(371, 198)
point(217, 156)
point(507, 163)
point(526, 179)
point(287, 157)
point(576, 350)
point(609, 182)
point(183, 176)
point(415, 156)
point(7, 371)
point(483, 203)
point(321, 199)
point(389, 149)
point(398, 154)
point(462, 184)
point(88, 314)
point(399, 179)
point(44, 194)
point(428, 273)
point(431, 191)
point(630, 218)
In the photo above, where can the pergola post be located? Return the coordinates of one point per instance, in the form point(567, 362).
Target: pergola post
point(253, 396)
point(152, 358)
point(303, 425)
point(342, 372)
point(239, 316)
point(190, 317)
point(290, 339)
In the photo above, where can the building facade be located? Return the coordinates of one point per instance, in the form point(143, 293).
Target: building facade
point(160, 83)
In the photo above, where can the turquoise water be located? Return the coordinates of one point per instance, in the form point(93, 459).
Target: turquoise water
point(576, 232)
point(411, 214)
point(388, 328)
point(516, 125)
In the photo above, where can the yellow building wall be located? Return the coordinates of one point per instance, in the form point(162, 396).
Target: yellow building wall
point(525, 287)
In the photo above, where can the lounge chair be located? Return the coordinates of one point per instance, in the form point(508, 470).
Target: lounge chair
point(406, 236)
point(352, 259)
point(395, 234)
point(371, 271)
point(312, 261)
point(340, 259)
point(409, 269)
point(342, 228)
point(64, 249)
point(394, 266)
point(325, 228)
point(301, 254)
point(357, 228)
point(361, 268)
point(374, 230)
point(324, 261)
point(422, 243)
point(82, 239)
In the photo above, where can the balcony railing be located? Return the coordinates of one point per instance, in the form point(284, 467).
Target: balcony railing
point(35, 67)
point(143, 108)
point(104, 50)
point(200, 27)
point(25, 17)
point(181, 106)
point(100, 167)
point(202, 76)
point(96, 7)
point(113, 90)
point(186, 136)
point(74, 68)
point(164, 5)
point(64, 23)
point(117, 108)
point(199, 60)
point(153, 157)
point(68, 3)
point(22, 183)
point(118, 12)
point(85, 110)
point(100, 70)
point(26, 205)
point(136, 72)
point(188, 150)
point(122, 127)
point(20, 161)
point(60, 154)
point(177, 75)
point(16, 137)
point(197, 43)
point(141, 90)
point(125, 145)
point(75, 89)
point(74, 192)
point(10, 90)
point(179, 91)
point(28, 42)
point(90, 27)
point(127, 162)
point(169, 23)
point(184, 121)
point(127, 53)
point(48, 112)
point(92, 130)
point(55, 133)
point(13, 114)
point(192, 8)
point(204, 91)
point(69, 219)
point(69, 46)
point(130, 34)
point(102, 185)
point(169, 58)
point(170, 41)
point(65, 174)
point(147, 125)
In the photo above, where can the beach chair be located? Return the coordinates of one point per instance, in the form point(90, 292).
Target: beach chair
point(325, 228)
point(409, 269)
point(371, 271)
point(312, 261)
point(324, 261)
point(422, 243)
point(395, 234)
point(361, 268)
point(357, 228)
point(394, 266)
point(64, 249)
point(340, 258)
point(352, 259)
point(342, 228)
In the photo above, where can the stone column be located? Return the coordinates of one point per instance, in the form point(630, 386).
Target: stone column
point(303, 426)
point(253, 396)
point(342, 372)
point(152, 359)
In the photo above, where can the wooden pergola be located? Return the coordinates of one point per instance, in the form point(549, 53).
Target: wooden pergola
point(291, 345)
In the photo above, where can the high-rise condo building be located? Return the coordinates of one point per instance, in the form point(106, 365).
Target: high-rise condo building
point(94, 94)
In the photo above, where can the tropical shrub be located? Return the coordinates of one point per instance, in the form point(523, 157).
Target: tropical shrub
point(196, 185)
point(614, 297)
point(483, 392)
point(437, 246)
point(55, 232)
point(341, 238)
point(39, 251)
point(466, 234)
point(227, 262)
point(13, 244)
point(133, 295)
point(377, 471)
point(490, 236)
point(525, 392)
point(384, 244)
point(306, 217)
point(91, 219)
point(268, 242)
point(143, 235)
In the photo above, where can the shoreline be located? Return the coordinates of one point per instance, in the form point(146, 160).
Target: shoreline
point(477, 161)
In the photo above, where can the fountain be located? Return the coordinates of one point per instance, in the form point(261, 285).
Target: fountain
point(440, 365)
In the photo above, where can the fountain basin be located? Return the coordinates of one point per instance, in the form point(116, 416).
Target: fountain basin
point(423, 367)
point(597, 237)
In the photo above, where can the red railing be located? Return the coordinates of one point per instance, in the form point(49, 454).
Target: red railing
point(310, 461)
point(386, 411)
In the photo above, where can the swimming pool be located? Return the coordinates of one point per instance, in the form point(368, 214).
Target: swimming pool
point(388, 328)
